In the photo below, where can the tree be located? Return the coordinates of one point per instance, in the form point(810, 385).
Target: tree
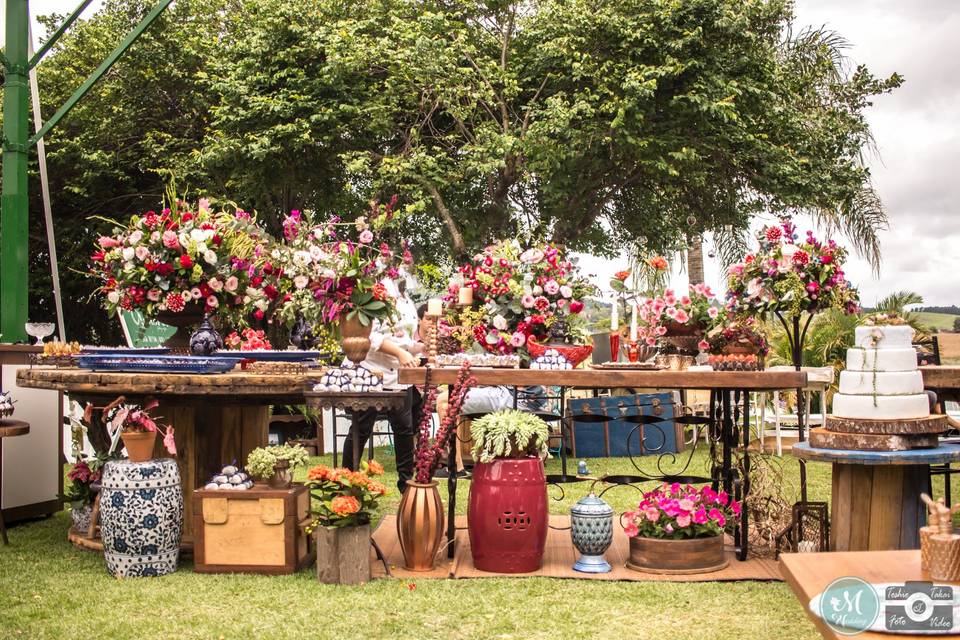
point(897, 303)
point(956, 324)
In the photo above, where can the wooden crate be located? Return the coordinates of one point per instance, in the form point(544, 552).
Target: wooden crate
point(260, 530)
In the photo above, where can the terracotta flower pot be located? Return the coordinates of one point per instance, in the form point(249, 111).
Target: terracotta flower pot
point(695, 555)
point(420, 525)
point(139, 444)
point(355, 339)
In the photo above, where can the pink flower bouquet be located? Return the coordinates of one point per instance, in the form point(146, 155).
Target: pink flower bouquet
point(788, 276)
point(186, 256)
point(525, 293)
point(667, 313)
point(675, 512)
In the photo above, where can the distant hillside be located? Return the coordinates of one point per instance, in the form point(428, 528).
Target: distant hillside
point(939, 321)
point(953, 310)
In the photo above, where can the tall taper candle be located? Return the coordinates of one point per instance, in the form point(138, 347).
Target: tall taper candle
point(633, 323)
point(614, 316)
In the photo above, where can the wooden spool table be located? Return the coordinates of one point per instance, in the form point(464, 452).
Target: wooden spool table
point(218, 419)
point(875, 500)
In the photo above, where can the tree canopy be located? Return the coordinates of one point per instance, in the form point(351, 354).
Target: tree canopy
point(595, 124)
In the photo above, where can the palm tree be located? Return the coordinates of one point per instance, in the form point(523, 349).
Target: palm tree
point(897, 303)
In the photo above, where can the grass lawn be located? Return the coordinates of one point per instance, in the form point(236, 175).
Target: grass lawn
point(937, 320)
point(50, 590)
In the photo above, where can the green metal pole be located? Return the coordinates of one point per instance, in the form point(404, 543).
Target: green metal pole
point(14, 199)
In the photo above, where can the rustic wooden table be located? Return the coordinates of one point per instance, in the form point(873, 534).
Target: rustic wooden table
point(941, 377)
point(875, 498)
point(809, 574)
point(729, 415)
point(218, 419)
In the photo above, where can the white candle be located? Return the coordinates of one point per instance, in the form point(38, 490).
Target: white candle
point(434, 307)
point(614, 316)
point(465, 295)
point(633, 323)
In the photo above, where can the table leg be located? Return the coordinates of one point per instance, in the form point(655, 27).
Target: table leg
point(355, 439)
point(452, 493)
point(745, 481)
point(726, 441)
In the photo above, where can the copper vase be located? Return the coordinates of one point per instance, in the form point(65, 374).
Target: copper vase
point(420, 525)
point(355, 339)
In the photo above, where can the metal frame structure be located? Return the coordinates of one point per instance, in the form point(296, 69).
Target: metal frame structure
point(17, 142)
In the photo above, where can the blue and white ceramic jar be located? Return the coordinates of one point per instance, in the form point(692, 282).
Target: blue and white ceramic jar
point(141, 517)
point(591, 527)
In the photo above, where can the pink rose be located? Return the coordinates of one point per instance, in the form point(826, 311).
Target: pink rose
point(170, 240)
point(518, 339)
point(231, 284)
point(528, 301)
point(153, 295)
point(366, 237)
point(195, 293)
point(142, 253)
point(551, 287)
point(215, 284)
point(106, 242)
point(212, 302)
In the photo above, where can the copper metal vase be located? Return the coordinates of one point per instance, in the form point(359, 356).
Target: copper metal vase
point(355, 339)
point(420, 525)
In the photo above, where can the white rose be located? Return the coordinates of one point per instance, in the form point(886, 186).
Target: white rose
point(566, 291)
point(155, 237)
point(129, 253)
point(135, 237)
point(142, 253)
point(183, 239)
point(210, 257)
point(537, 290)
point(301, 282)
point(113, 297)
point(500, 322)
point(302, 257)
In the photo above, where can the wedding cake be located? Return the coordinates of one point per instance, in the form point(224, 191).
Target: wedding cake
point(881, 380)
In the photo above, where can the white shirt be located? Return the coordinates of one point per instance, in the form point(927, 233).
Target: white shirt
point(400, 331)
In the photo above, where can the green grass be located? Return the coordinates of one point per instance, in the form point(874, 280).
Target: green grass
point(937, 320)
point(50, 590)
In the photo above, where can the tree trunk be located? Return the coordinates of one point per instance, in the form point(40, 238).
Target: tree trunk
point(695, 259)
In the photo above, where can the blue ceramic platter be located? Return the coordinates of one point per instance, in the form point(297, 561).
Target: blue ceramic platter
point(125, 351)
point(269, 356)
point(156, 364)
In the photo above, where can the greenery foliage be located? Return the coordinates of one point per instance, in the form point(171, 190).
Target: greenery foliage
point(499, 434)
point(262, 460)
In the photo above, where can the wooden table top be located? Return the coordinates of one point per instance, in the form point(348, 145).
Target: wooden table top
point(809, 573)
point(941, 377)
point(611, 379)
point(235, 383)
point(943, 453)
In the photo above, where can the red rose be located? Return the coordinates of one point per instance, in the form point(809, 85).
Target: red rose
point(576, 306)
point(164, 268)
point(258, 314)
point(270, 291)
point(185, 261)
point(255, 281)
point(217, 239)
point(187, 217)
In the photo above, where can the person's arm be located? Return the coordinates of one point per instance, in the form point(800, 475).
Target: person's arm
point(404, 357)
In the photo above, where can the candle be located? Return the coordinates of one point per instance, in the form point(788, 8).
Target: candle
point(614, 316)
point(465, 296)
point(434, 307)
point(633, 323)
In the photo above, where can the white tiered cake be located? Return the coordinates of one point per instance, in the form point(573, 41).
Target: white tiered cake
point(881, 381)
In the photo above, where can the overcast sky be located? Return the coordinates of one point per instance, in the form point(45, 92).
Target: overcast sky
point(916, 132)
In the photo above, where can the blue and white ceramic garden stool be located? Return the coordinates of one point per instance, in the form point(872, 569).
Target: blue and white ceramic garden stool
point(141, 517)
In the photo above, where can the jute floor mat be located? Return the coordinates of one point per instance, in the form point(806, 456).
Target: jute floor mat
point(558, 559)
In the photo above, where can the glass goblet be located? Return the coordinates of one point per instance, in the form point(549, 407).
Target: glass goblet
point(39, 330)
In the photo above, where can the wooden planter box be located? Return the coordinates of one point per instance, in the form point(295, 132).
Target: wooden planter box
point(260, 530)
point(343, 555)
point(696, 555)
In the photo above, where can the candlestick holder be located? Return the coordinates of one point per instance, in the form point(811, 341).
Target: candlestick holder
point(615, 346)
point(633, 351)
point(433, 328)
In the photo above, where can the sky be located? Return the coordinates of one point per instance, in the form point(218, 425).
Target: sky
point(915, 130)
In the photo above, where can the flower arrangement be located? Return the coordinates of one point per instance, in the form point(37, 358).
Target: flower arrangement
point(333, 271)
point(509, 433)
point(675, 512)
point(262, 461)
point(82, 476)
point(430, 451)
point(745, 333)
point(344, 498)
point(788, 277)
point(249, 340)
point(126, 418)
point(533, 293)
point(187, 257)
point(667, 313)
point(889, 318)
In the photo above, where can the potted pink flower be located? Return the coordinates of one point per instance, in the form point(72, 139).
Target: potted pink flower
point(137, 428)
point(679, 529)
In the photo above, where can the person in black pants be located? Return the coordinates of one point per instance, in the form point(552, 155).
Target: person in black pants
point(404, 435)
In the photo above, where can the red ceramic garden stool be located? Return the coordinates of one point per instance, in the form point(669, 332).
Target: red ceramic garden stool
point(508, 515)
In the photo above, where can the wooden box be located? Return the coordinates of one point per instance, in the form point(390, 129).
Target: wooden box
point(260, 530)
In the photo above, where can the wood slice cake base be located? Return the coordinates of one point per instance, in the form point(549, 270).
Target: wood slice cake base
point(933, 424)
point(823, 439)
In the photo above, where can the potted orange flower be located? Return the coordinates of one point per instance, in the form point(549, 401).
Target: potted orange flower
point(343, 501)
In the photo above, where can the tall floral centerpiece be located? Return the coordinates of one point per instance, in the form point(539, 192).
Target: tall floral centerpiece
point(526, 294)
point(791, 280)
point(679, 319)
point(185, 261)
point(332, 273)
point(679, 529)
